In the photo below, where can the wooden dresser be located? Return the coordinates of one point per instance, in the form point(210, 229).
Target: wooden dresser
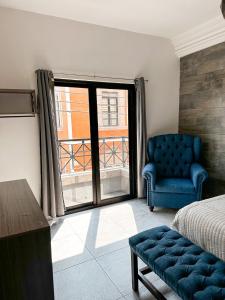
point(25, 245)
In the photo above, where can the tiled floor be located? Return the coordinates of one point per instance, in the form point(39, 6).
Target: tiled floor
point(91, 258)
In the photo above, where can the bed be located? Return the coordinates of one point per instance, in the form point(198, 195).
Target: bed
point(204, 224)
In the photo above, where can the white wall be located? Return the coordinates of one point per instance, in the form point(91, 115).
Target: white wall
point(31, 41)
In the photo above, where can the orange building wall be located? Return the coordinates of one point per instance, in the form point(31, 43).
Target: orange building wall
point(79, 104)
point(80, 113)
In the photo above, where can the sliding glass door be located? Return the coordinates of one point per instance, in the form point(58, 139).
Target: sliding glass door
point(74, 141)
point(113, 134)
point(97, 143)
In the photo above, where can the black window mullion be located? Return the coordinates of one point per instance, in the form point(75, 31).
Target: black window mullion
point(94, 144)
point(132, 141)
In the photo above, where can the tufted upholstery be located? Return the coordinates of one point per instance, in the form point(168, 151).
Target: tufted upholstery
point(174, 169)
point(189, 270)
point(173, 154)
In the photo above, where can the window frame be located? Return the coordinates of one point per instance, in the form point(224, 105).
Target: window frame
point(109, 112)
point(92, 88)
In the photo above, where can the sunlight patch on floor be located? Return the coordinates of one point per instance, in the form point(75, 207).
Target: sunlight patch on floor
point(67, 248)
point(108, 230)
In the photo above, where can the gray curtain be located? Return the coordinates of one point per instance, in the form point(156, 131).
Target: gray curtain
point(141, 133)
point(51, 186)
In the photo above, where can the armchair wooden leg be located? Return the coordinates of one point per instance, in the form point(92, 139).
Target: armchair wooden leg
point(134, 271)
point(151, 208)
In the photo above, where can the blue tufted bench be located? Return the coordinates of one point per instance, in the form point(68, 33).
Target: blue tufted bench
point(185, 267)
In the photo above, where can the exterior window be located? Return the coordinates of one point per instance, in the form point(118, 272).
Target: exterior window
point(109, 109)
point(58, 108)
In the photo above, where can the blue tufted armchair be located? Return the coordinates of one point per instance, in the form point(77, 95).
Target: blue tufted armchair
point(173, 175)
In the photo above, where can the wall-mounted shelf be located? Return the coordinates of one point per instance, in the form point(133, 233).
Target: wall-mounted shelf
point(17, 103)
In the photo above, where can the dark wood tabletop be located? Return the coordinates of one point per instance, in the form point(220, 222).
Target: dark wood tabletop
point(20, 212)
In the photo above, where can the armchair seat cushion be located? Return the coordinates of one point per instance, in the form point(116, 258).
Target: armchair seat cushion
point(175, 185)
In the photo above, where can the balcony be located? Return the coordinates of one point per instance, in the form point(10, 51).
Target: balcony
point(76, 169)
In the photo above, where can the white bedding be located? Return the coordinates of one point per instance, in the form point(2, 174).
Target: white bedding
point(204, 224)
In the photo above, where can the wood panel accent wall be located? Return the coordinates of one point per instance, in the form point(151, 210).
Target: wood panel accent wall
point(202, 109)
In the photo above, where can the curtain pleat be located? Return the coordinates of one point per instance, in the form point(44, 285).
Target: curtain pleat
point(51, 185)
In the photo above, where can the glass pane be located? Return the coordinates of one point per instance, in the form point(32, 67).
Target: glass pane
point(105, 101)
point(112, 101)
point(105, 108)
point(113, 122)
point(105, 122)
point(113, 115)
point(113, 108)
point(113, 144)
point(73, 128)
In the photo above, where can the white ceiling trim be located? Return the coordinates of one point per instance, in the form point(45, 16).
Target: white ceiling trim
point(203, 36)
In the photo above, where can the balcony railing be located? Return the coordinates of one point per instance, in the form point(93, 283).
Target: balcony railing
point(75, 155)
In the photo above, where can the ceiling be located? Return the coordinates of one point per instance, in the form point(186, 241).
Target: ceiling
point(166, 18)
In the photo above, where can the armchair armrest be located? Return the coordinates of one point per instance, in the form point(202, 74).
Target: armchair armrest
point(198, 175)
point(149, 173)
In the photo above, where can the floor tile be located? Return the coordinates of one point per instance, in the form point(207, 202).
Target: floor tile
point(108, 238)
point(136, 223)
point(68, 252)
point(144, 294)
point(125, 209)
point(117, 266)
point(99, 233)
point(165, 215)
point(60, 230)
point(86, 281)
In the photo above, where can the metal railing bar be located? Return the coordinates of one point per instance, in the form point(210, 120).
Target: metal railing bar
point(88, 139)
point(113, 154)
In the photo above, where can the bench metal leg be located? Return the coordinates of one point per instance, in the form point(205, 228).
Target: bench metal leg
point(152, 289)
point(134, 271)
point(151, 208)
point(139, 275)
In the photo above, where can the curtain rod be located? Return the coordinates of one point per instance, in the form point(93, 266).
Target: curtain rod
point(95, 76)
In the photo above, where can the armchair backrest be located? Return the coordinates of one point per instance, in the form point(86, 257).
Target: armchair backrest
point(173, 154)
